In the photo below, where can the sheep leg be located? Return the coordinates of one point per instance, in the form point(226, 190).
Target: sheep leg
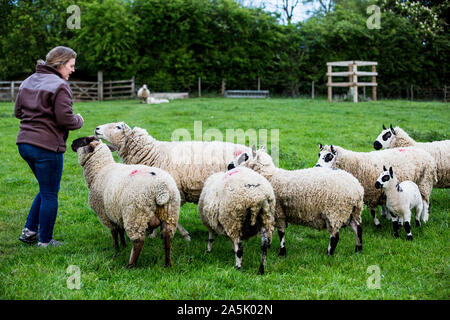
point(264, 246)
point(183, 232)
point(426, 210)
point(122, 237)
point(137, 247)
point(419, 213)
point(395, 226)
point(167, 244)
point(407, 225)
point(114, 233)
point(373, 212)
point(334, 239)
point(357, 229)
point(239, 252)
point(210, 240)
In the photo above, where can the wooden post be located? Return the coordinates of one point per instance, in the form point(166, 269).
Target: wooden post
point(100, 85)
point(132, 87)
point(412, 93)
point(374, 88)
point(12, 91)
point(330, 88)
point(350, 79)
point(199, 86)
point(223, 87)
point(445, 93)
point(259, 83)
point(355, 82)
point(312, 90)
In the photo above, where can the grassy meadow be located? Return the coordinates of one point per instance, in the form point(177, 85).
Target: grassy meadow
point(418, 269)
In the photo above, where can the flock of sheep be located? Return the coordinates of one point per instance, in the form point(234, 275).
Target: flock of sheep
point(241, 193)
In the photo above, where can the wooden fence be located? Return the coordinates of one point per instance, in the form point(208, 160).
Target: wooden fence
point(352, 75)
point(82, 90)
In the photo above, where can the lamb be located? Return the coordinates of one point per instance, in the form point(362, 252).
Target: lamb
point(400, 199)
point(131, 198)
point(239, 204)
point(143, 93)
point(409, 163)
point(439, 150)
point(316, 197)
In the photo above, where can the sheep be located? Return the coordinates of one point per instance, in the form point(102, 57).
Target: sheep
point(239, 204)
point(410, 164)
point(439, 150)
point(400, 199)
point(316, 197)
point(143, 93)
point(131, 198)
point(151, 100)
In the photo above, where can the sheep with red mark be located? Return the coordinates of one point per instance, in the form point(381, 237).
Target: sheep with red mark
point(129, 198)
point(439, 150)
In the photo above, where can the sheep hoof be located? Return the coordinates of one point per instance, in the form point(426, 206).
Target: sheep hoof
point(282, 252)
point(238, 268)
point(396, 235)
point(131, 266)
point(261, 270)
point(417, 223)
point(187, 238)
point(378, 226)
point(358, 249)
point(410, 237)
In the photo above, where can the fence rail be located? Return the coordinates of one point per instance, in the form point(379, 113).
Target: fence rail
point(82, 90)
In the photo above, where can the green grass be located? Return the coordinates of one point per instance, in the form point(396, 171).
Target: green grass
point(409, 270)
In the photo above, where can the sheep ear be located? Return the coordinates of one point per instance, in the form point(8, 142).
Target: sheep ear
point(253, 151)
point(242, 158)
point(384, 128)
point(320, 146)
point(391, 172)
point(332, 150)
point(263, 148)
point(392, 130)
point(384, 168)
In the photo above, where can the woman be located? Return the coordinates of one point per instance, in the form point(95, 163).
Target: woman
point(44, 107)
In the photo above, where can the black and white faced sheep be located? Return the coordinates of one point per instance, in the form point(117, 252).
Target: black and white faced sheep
point(130, 198)
point(409, 163)
point(316, 197)
point(238, 204)
point(439, 150)
point(400, 199)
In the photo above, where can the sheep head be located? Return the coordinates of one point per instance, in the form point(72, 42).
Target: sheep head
point(112, 132)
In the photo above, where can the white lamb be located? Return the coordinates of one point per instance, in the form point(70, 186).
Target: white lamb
point(131, 198)
point(238, 204)
point(400, 199)
point(316, 197)
point(409, 163)
point(439, 150)
point(143, 93)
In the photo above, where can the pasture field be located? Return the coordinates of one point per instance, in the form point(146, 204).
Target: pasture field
point(418, 269)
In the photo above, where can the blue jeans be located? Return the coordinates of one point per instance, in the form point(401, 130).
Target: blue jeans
point(47, 167)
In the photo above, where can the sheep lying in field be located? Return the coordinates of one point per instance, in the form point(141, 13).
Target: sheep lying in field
point(439, 150)
point(409, 164)
point(143, 93)
point(131, 198)
point(239, 204)
point(151, 100)
point(400, 199)
point(316, 197)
